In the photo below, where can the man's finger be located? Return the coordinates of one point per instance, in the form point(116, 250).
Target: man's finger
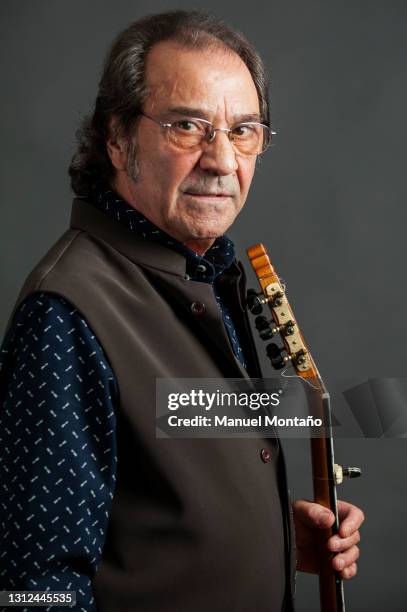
point(337, 544)
point(346, 559)
point(312, 514)
point(349, 572)
point(350, 518)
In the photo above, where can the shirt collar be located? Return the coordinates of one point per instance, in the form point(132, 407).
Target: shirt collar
point(204, 268)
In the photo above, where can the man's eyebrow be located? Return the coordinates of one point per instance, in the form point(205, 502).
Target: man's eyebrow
point(187, 111)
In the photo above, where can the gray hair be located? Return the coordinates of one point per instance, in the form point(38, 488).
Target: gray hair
point(122, 90)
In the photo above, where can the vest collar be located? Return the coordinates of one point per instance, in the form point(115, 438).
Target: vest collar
point(205, 268)
point(87, 218)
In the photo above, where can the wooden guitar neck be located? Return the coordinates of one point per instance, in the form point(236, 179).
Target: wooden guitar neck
point(294, 352)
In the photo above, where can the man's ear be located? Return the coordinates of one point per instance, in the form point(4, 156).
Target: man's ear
point(116, 146)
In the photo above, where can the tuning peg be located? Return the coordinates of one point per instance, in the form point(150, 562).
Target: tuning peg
point(352, 472)
point(277, 299)
point(299, 358)
point(288, 328)
point(345, 472)
point(254, 302)
point(274, 354)
point(263, 327)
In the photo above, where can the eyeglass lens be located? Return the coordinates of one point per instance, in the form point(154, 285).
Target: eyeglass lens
point(247, 138)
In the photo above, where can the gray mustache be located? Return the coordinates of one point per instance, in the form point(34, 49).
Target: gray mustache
point(206, 192)
point(214, 190)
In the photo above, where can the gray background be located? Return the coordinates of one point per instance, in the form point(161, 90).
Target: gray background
point(327, 200)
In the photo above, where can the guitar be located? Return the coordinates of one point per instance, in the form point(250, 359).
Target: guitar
point(326, 474)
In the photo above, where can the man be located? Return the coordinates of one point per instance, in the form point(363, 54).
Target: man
point(145, 285)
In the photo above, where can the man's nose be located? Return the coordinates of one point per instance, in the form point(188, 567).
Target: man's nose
point(219, 156)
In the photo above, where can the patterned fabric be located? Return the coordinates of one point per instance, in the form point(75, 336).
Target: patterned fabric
point(57, 429)
point(206, 268)
point(58, 459)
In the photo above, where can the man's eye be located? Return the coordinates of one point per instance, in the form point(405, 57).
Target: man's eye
point(244, 130)
point(186, 125)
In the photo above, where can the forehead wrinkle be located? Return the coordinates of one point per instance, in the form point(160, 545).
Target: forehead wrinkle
point(172, 89)
point(222, 80)
point(181, 100)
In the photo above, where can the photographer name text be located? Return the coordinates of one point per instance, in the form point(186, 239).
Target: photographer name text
point(258, 421)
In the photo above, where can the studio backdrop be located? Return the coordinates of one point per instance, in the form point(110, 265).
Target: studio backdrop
point(328, 201)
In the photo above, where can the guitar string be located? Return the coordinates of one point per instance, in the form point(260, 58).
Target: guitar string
point(305, 380)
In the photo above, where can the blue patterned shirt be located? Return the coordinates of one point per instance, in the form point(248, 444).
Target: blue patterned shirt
point(57, 430)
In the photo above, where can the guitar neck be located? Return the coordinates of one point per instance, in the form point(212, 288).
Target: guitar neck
point(295, 353)
point(323, 465)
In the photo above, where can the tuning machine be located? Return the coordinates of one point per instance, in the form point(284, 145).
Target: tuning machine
point(264, 328)
point(345, 472)
point(274, 353)
point(278, 360)
point(267, 329)
point(255, 301)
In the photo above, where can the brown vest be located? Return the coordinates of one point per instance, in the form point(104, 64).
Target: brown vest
point(196, 525)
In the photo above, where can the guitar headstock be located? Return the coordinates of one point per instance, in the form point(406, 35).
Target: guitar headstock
point(294, 350)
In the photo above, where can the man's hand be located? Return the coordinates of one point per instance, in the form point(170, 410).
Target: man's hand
point(308, 517)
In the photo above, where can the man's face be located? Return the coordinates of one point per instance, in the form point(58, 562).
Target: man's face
point(193, 195)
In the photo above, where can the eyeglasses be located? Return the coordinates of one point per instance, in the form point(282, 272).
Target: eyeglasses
point(247, 138)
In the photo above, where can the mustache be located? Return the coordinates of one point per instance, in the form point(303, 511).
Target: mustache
point(209, 187)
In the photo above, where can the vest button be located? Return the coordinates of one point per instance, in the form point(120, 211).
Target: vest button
point(265, 455)
point(198, 308)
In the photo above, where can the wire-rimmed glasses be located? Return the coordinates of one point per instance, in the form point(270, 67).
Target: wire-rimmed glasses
point(247, 138)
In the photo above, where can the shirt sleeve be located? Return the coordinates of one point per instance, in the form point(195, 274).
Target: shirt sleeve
point(58, 451)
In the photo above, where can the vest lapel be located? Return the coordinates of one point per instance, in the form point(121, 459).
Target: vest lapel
point(166, 269)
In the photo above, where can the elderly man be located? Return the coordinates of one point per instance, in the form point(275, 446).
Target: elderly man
point(144, 285)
